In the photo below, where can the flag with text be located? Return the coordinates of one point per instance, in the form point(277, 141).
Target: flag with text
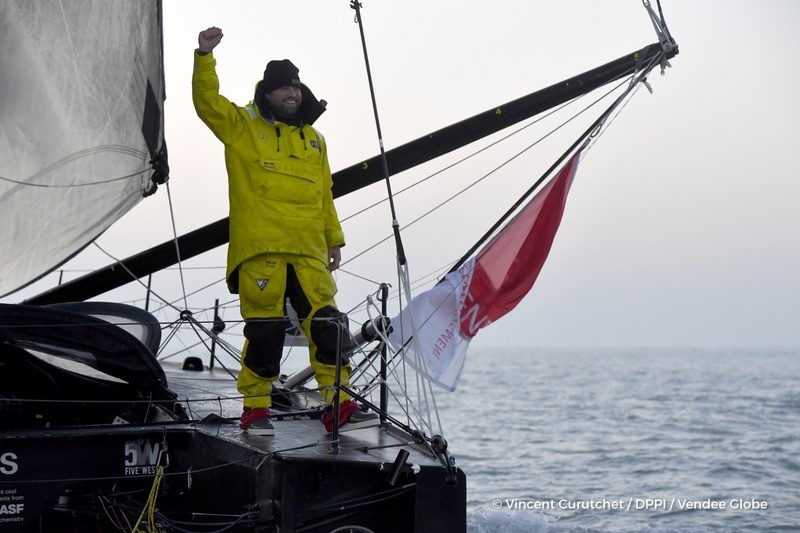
point(483, 289)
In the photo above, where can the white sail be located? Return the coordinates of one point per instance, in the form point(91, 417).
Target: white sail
point(81, 119)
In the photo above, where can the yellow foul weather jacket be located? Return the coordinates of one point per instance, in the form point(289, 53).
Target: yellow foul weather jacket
point(279, 178)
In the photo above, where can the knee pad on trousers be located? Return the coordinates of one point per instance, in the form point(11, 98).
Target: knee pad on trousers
point(328, 325)
point(264, 346)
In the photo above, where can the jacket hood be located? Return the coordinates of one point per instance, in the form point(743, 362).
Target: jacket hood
point(310, 109)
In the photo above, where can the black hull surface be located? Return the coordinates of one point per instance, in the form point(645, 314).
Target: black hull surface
point(214, 475)
point(96, 435)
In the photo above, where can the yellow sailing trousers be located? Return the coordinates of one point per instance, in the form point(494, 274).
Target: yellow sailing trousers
point(265, 283)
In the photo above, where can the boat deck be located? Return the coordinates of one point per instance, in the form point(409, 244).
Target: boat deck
point(212, 398)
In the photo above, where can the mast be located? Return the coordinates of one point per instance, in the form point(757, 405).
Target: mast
point(362, 174)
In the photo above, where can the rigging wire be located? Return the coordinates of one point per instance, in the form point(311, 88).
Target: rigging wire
point(401, 258)
point(132, 275)
point(177, 246)
point(638, 77)
point(185, 315)
point(488, 174)
point(402, 264)
point(465, 158)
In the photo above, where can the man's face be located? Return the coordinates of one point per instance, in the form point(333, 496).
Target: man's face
point(285, 100)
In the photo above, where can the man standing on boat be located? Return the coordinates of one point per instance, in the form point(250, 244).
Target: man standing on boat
point(285, 235)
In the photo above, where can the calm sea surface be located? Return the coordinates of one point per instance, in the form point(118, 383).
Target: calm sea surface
point(655, 440)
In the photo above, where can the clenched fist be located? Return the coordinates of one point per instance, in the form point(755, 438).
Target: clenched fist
point(209, 39)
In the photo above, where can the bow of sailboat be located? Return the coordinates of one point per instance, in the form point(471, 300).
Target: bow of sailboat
point(430, 248)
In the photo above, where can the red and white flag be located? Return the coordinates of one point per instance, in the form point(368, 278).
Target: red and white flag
point(484, 288)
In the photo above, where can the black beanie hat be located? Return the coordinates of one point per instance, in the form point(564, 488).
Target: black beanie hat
point(280, 74)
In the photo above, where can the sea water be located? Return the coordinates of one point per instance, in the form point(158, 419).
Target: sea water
point(650, 440)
